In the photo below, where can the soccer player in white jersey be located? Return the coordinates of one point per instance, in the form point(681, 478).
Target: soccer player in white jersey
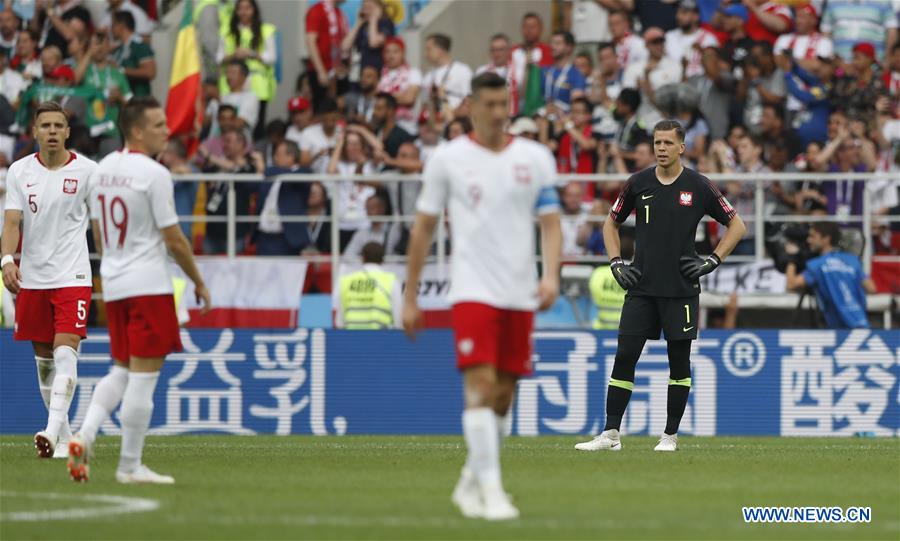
point(133, 210)
point(493, 186)
point(47, 196)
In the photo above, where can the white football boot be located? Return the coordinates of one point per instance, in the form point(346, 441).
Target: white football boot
point(497, 505)
point(43, 445)
point(466, 495)
point(79, 456)
point(667, 443)
point(608, 440)
point(142, 475)
point(62, 449)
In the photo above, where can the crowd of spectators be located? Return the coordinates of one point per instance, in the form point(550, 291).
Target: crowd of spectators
point(760, 86)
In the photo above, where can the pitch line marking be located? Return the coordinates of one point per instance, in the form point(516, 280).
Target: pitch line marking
point(118, 505)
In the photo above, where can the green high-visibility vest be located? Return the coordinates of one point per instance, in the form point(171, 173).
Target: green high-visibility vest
point(366, 300)
point(262, 76)
point(609, 297)
point(225, 9)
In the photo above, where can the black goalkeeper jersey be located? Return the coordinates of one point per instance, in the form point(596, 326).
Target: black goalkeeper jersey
point(667, 218)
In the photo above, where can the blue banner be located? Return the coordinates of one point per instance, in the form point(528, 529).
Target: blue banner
point(313, 381)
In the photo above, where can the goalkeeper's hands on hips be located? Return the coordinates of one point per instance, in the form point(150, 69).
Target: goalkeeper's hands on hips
point(693, 267)
point(627, 276)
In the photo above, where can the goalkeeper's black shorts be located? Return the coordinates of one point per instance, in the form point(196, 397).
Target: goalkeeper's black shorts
point(648, 316)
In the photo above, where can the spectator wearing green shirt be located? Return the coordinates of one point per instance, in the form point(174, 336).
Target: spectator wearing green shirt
point(96, 71)
point(135, 57)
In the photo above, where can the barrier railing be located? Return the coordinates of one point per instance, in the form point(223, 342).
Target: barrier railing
point(756, 221)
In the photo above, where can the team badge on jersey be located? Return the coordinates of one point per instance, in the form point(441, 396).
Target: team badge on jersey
point(70, 185)
point(686, 199)
point(522, 173)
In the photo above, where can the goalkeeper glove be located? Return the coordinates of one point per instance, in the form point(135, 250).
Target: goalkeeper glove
point(627, 276)
point(693, 267)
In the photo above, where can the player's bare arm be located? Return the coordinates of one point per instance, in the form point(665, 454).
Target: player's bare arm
point(736, 231)
point(178, 245)
point(12, 278)
point(95, 234)
point(420, 240)
point(551, 248)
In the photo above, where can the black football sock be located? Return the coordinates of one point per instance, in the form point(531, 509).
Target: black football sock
point(679, 383)
point(621, 382)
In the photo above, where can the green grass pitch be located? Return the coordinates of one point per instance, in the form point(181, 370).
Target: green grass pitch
point(361, 487)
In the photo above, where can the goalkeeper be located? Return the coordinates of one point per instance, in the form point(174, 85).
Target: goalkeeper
point(663, 282)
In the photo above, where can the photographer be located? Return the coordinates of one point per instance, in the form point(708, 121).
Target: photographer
point(836, 277)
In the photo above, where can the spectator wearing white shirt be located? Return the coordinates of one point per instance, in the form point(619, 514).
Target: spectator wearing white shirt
point(650, 75)
point(143, 26)
point(317, 141)
point(351, 157)
point(686, 43)
point(244, 100)
point(401, 81)
point(588, 20)
point(12, 84)
point(498, 53)
point(806, 44)
point(448, 84)
point(385, 233)
point(301, 117)
point(573, 220)
point(629, 48)
point(9, 31)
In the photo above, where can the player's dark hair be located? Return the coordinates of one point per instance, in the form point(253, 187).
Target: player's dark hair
point(373, 252)
point(669, 125)
point(487, 80)
point(49, 107)
point(132, 114)
point(389, 100)
point(566, 36)
point(124, 17)
point(828, 229)
point(441, 40)
point(532, 15)
point(240, 64)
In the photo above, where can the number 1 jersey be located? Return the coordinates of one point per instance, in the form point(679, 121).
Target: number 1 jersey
point(667, 216)
point(132, 198)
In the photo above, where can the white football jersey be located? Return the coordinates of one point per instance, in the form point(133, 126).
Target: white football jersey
point(132, 198)
point(55, 220)
point(492, 199)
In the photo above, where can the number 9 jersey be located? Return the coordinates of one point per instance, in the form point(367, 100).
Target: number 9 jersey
point(132, 198)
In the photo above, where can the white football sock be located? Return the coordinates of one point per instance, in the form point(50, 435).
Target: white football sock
point(137, 409)
point(65, 360)
point(46, 371)
point(480, 431)
point(107, 395)
point(501, 428)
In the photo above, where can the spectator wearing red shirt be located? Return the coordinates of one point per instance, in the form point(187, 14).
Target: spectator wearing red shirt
point(326, 26)
point(768, 20)
point(576, 151)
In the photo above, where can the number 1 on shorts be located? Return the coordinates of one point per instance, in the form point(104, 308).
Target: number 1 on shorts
point(687, 313)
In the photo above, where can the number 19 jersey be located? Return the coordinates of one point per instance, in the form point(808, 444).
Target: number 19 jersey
point(132, 198)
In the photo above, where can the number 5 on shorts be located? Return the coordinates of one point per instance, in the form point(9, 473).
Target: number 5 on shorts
point(82, 310)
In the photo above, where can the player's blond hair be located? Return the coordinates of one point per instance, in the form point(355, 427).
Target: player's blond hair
point(49, 107)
